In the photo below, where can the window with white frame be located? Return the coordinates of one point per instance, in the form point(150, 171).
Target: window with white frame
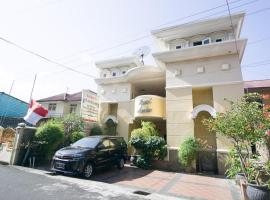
point(197, 43)
point(207, 40)
point(52, 107)
point(178, 44)
point(73, 108)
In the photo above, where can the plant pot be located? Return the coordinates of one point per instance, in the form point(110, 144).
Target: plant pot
point(239, 177)
point(257, 192)
point(191, 168)
point(133, 159)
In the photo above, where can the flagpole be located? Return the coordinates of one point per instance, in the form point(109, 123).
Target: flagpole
point(34, 83)
point(29, 144)
point(11, 87)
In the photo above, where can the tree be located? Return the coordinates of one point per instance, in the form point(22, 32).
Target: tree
point(49, 136)
point(71, 123)
point(96, 130)
point(245, 123)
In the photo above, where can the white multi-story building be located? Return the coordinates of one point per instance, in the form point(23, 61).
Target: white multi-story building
point(198, 68)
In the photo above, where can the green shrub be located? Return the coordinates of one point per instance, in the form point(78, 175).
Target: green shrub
point(96, 130)
point(147, 142)
point(137, 141)
point(143, 162)
point(49, 135)
point(75, 136)
point(71, 123)
point(187, 151)
point(233, 163)
point(155, 147)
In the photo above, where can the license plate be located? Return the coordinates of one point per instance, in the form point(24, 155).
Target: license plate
point(60, 165)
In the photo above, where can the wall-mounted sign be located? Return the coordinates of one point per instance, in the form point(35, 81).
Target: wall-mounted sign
point(89, 106)
point(145, 105)
point(149, 106)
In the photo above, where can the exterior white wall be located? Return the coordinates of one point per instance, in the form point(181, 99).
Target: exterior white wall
point(62, 108)
point(164, 45)
point(185, 74)
point(115, 92)
point(67, 107)
point(59, 108)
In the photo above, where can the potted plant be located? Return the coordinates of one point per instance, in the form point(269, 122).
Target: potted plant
point(258, 180)
point(245, 124)
point(148, 145)
point(234, 169)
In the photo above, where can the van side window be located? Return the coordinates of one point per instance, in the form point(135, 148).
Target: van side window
point(105, 144)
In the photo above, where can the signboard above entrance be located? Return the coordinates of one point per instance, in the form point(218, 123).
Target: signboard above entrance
point(149, 106)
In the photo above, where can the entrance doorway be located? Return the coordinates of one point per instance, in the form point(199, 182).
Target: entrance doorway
point(207, 157)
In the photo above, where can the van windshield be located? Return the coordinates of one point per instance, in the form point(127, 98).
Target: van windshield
point(87, 142)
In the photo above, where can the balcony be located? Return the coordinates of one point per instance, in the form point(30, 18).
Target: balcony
point(203, 51)
point(149, 107)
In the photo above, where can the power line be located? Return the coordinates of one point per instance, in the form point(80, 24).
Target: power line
point(258, 62)
point(121, 44)
point(233, 30)
point(248, 14)
point(166, 23)
point(258, 41)
point(258, 65)
point(45, 58)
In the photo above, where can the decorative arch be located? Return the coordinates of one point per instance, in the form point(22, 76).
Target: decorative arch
point(203, 107)
point(111, 117)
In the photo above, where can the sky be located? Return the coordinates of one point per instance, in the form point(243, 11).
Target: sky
point(77, 33)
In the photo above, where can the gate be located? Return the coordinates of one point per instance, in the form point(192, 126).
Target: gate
point(7, 137)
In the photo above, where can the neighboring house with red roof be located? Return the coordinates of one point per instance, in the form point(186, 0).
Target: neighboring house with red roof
point(84, 104)
point(260, 86)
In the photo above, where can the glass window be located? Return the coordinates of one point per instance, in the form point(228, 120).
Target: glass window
point(197, 43)
point(206, 41)
point(123, 72)
point(89, 142)
point(178, 47)
point(52, 107)
point(114, 74)
point(104, 75)
point(73, 108)
point(105, 143)
point(218, 40)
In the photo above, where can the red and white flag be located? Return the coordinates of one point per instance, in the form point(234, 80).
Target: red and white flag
point(35, 113)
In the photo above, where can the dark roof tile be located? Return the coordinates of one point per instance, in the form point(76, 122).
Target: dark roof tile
point(257, 84)
point(63, 97)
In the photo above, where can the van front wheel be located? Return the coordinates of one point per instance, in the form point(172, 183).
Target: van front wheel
point(121, 163)
point(88, 170)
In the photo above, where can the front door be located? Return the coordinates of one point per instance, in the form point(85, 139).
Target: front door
point(207, 157)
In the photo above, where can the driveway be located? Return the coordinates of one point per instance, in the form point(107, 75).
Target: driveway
point(32, 184)
point(188, 186)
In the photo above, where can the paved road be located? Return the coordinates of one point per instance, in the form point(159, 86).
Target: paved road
point(17, 183)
